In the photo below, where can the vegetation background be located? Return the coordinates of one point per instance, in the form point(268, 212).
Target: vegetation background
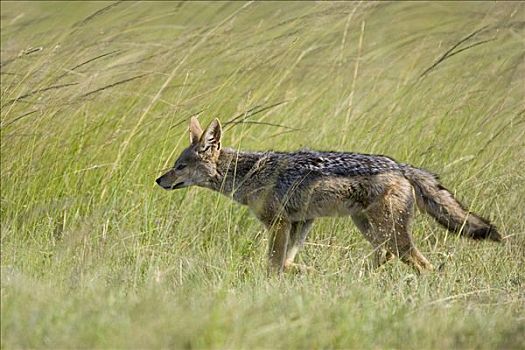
point(95, 102)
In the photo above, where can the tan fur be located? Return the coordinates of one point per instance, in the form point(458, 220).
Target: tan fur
point(288, 191)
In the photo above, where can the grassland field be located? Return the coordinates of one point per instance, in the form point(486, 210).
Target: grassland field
point(95, 100)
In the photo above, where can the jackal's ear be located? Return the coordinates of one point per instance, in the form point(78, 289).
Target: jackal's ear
point(211, 138)
point(195, 130)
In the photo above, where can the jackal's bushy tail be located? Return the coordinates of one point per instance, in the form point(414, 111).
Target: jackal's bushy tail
point(437, 201)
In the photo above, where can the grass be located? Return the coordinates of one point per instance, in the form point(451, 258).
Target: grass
point(95, 101)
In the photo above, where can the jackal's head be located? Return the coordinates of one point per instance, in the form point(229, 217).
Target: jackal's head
point(197, 164)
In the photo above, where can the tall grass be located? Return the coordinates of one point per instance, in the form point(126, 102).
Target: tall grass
point(95, 103)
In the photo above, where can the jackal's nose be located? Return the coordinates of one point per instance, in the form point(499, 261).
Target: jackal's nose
point(158, 181)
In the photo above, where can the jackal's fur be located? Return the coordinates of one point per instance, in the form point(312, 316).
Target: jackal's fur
point(288, 191)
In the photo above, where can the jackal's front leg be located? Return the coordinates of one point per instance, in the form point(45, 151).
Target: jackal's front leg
point(298, 232)
point(277, 244)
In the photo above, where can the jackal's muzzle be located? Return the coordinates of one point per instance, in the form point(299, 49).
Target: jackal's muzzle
point(167, 183)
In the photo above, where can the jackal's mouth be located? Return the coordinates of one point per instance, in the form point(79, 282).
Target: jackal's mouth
point(177, 185)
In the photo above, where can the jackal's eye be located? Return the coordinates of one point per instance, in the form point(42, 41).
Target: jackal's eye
point(180, 166)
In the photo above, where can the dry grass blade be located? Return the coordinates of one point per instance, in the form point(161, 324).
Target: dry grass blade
point(447, 54)
point(98, 13)
point(31, 93)
point(114, 84)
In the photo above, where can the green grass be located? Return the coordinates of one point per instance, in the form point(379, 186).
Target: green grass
point(95, 103)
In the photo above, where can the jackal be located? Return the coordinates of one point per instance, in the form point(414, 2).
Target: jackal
point(288, 191)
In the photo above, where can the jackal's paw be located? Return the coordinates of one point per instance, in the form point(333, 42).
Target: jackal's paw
point(299, 268)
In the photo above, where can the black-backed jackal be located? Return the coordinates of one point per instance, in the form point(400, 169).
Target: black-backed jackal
point(288, 191)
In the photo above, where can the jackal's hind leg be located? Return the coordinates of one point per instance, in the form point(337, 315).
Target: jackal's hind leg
point(381, 254)
point(390, 219)
point(415, 259)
